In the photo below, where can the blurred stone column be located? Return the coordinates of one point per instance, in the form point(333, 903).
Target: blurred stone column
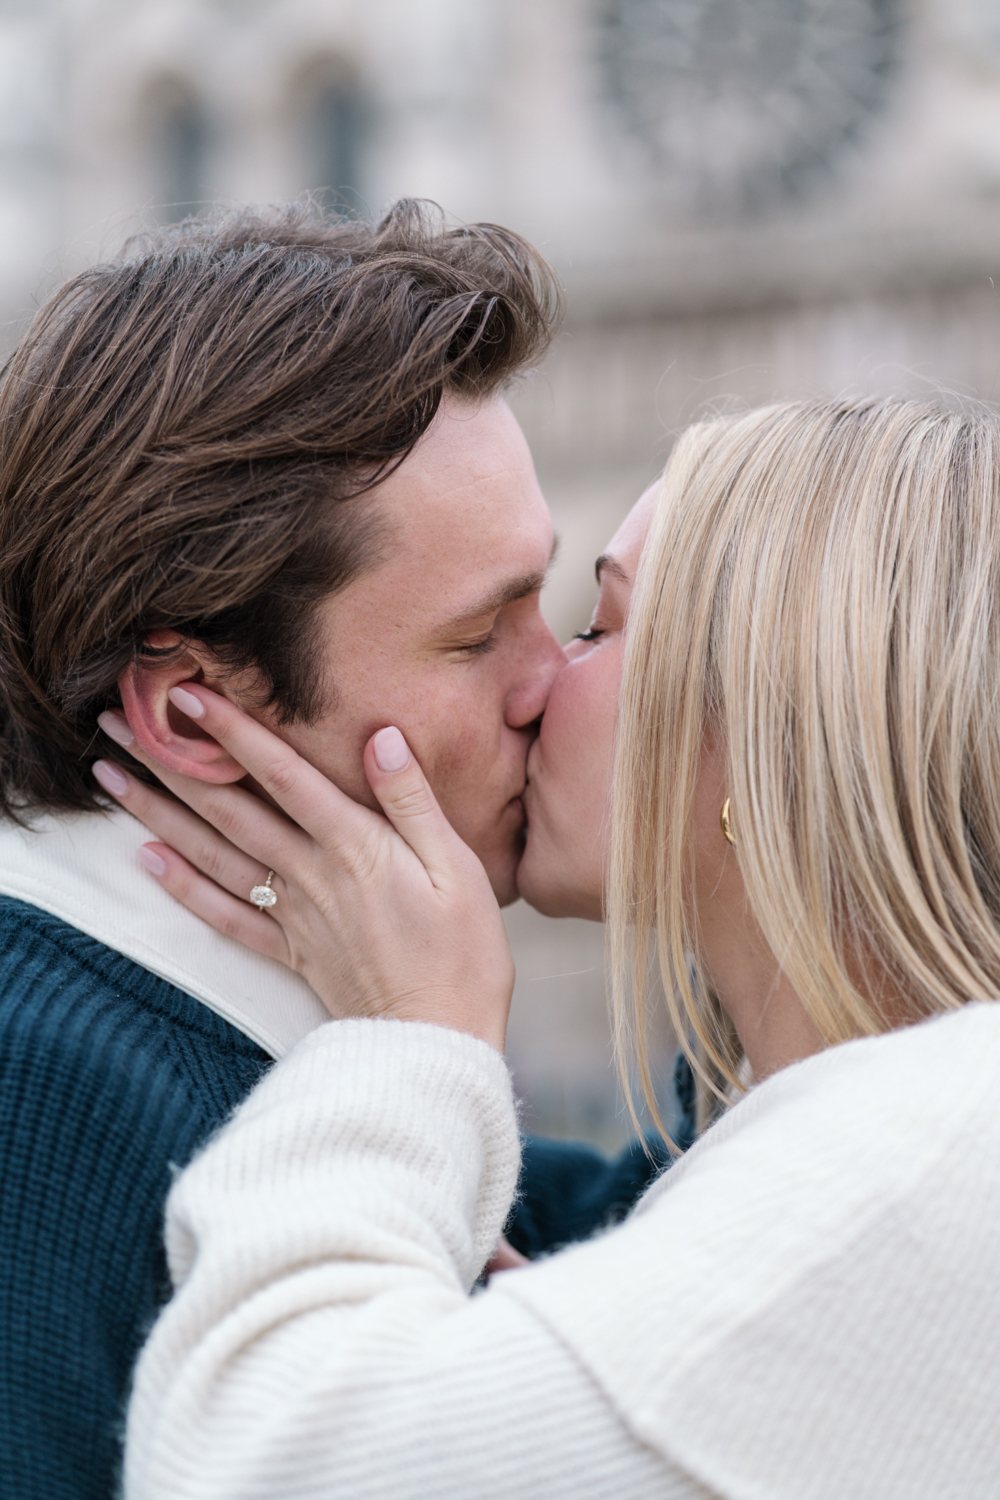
point(434, 76)
point(32, 162)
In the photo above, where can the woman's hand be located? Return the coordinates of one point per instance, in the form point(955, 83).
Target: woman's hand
point(382, 918)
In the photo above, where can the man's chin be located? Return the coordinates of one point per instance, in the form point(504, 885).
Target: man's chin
point(504, 883)
point(501, 869)
point(501, 862)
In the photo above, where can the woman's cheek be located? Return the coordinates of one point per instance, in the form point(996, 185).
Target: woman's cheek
point(563, 728)
point(590, 720)
point(604, 720)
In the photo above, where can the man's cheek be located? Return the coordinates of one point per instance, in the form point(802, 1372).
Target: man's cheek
point(336, 750)
point(461, 781)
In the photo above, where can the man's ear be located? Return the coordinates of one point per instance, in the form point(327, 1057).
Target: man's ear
point(176, 742)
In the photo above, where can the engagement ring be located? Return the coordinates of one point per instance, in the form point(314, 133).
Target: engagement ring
point(263, 895)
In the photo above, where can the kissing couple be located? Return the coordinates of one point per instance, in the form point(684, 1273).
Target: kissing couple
point(773, 760)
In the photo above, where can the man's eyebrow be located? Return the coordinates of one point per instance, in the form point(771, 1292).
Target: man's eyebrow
point(606, 561)
point(504, 593)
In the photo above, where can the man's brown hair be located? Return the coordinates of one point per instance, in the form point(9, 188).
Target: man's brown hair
point(185, 434)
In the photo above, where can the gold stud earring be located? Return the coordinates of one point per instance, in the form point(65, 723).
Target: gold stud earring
point(726, 823)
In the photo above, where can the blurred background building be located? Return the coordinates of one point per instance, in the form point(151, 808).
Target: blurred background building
point(745, 198)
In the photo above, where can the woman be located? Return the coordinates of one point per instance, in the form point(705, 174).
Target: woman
point(807, 819)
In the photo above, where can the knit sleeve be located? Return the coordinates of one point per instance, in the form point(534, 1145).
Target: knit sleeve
point(88, 1128)
point(322, 1340)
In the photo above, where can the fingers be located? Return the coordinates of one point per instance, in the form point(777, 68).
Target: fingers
point(179, 827)
point(335, 821)
point(304, 793)
point(228, 915)
point(411, 807)
point(242, 819)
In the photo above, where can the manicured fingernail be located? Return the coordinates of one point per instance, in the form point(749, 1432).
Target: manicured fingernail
point(116, 728)
point(152, 860)
point(187, 703)
point(110, 778)
point(391, 750)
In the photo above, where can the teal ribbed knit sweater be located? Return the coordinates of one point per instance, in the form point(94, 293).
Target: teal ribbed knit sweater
point(110, 1079)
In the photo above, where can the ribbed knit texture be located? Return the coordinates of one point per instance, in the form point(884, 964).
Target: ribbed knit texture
point(408, 1162)
point(109, 1078)
point(805, 1308)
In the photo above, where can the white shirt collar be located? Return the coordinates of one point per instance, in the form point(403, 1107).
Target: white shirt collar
point(83, 868)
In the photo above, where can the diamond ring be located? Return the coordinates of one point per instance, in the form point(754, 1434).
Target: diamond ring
point(263, 895)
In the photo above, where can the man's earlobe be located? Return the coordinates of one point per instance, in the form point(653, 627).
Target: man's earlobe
point(173, 740)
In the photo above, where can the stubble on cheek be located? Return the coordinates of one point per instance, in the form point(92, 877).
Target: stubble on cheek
point(474, 786)
point(469, 781)
point(457, 777)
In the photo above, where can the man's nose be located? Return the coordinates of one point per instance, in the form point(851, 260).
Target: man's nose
point(526, 700)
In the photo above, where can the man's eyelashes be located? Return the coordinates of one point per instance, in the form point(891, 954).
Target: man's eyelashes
point(478, 648)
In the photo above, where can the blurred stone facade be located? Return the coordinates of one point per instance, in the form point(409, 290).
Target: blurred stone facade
point(746, 199)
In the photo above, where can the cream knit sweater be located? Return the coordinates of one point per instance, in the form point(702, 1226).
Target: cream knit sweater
point(808, 1305)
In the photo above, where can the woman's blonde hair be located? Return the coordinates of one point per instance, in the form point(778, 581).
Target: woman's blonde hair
point(820, 594)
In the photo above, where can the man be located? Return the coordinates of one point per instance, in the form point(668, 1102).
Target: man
point(270, 454)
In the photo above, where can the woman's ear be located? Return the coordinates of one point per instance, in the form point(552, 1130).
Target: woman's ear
point(174, 741)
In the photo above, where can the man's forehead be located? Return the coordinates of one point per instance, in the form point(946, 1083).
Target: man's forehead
point(506, 591)
point(469, 527)
point(468, 443)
